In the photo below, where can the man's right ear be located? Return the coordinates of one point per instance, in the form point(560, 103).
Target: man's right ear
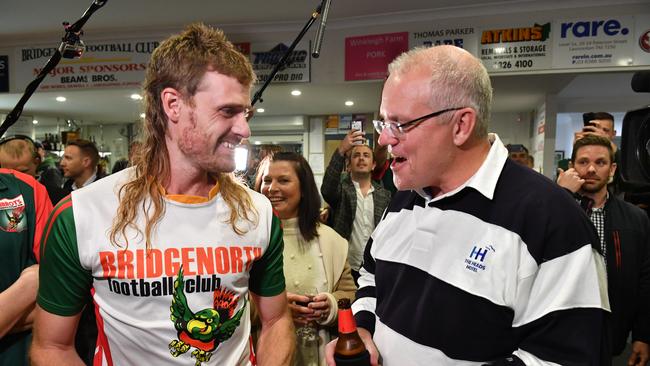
point(171, 101)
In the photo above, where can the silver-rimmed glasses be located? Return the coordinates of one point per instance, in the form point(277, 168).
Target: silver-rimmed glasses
point(399, 129)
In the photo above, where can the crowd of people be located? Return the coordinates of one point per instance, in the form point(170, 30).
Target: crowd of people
point(453, 249)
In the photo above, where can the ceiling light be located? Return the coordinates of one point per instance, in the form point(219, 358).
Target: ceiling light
point(258, 142)
point(136, 96)
point(142, 115)
point(35, 122)
point(296, 92)
point(260, 110)
point(61, 99)
point(349, 103)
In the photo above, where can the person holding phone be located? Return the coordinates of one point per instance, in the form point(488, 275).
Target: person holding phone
point(600, 124)
point(356, 201)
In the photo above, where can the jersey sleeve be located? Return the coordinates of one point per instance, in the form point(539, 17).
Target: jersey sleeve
point(42, 207)
point(267, 274)
point(43, 211)
point(64, 284)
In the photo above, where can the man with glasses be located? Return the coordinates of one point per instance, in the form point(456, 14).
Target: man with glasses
point(174, 249)
point(478, 260)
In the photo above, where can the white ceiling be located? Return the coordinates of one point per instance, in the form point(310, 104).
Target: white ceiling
point(24, 20)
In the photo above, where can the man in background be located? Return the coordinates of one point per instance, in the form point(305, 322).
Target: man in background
point(356, 201)
point(24, 208)
point(79, 164)
point(519, 153)
point(624, 232)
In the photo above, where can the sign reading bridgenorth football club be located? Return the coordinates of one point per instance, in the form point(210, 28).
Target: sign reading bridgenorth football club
point(103, 64)
point(463, 37)
point(516, 48)
point(594, 42)
point(264, 57)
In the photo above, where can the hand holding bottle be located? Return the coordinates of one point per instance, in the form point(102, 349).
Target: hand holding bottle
point(354, 345)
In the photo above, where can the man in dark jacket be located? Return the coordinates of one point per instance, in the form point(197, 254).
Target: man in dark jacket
point(624, 234)
point(357, 202)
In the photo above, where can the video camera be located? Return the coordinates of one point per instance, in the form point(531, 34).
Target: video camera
point(635, 141)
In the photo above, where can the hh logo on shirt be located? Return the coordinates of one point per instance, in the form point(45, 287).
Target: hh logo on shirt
point(477, 258)
point(12, 215)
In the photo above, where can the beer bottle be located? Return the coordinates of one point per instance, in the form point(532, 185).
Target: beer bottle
point(350, 350)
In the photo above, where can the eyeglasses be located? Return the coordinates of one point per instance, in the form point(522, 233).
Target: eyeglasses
point(399, 129)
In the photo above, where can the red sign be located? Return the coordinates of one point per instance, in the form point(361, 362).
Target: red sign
point(367, 57)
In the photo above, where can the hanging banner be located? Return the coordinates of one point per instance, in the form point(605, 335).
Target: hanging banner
point(516, 48)
point(594, 42)
point(463, 37)
point(367, 57)
point(264, 57)
point(104, 64)
point(4, 73)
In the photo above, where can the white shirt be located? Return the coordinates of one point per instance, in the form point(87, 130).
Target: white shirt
point(87, 182)
point(362, 226)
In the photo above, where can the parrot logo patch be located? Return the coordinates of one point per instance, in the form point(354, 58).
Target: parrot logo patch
point(12, 215)
point(206, 329)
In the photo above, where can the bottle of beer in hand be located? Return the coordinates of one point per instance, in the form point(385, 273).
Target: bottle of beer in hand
point(350, 350)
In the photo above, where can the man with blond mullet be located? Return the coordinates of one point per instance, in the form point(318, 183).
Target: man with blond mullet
point(174, 249)
point(478, 260)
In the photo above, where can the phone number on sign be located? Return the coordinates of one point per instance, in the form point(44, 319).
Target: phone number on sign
point(519, 64)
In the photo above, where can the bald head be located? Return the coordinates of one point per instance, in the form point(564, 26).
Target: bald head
point(456, 77)
point(19, 155)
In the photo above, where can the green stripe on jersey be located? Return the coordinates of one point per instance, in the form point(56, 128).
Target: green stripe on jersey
point(267, 275)
point(64, 285)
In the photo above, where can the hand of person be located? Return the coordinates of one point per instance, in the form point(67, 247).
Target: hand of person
point(367, 341)
point(300, 314)
point(569, 179)
point(640, 354)
point(354, 137)
point(321, 306)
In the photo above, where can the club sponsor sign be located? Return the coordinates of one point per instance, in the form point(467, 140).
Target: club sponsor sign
point(463, 37)
point(367, 57)
point(516, 48)
point(594, 42)
point(103, 64)
point(264, 57)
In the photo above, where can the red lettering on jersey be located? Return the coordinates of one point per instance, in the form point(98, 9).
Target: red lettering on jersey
point(186, 259)
point(139, 263)
point(235, 259)
point(107, 260)
point(205, 261)
point(125, 264)
point(222, 260)
point(171, 266)
point(154, 263)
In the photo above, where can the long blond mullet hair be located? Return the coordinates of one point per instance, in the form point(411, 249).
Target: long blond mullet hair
point(180, 63)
